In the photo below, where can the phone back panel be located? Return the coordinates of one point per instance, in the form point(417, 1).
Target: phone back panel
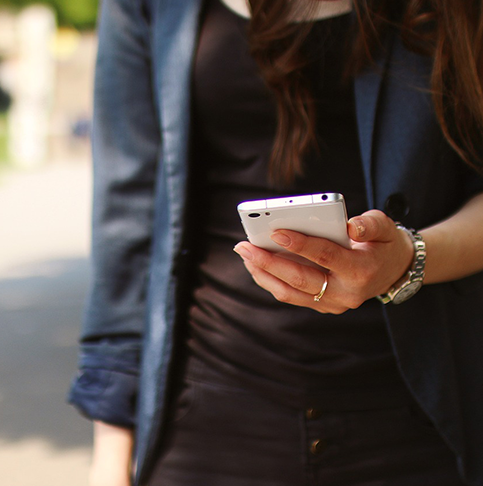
point(326, 219)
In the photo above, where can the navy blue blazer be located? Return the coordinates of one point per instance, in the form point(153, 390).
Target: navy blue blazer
point(140, 145)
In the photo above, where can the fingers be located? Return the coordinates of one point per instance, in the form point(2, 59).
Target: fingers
point(371, 226)
point(290, 282)
point(322, 252)
point(283, 292)
point(300, 277)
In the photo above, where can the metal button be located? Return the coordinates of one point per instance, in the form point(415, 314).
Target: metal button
point(317, 447)
point(312, 413)
point(397, 206)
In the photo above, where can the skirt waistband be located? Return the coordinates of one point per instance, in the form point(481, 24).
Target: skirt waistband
point(326, 400)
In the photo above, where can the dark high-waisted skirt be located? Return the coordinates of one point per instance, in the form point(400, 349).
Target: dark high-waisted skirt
point(220, 434)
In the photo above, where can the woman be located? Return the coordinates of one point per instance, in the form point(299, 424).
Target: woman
point(328, 386)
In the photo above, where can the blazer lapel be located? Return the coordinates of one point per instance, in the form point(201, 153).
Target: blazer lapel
point(174, 42)
point(174, 29)
point(367, 87)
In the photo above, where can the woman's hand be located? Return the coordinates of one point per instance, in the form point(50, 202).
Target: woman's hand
point(111, 462)
point(380, 255)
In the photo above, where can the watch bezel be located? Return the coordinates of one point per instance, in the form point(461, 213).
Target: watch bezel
point(399, 295)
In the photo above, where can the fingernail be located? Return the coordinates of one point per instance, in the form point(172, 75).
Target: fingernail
point(360, 226)
point(281, 239)
point(243, 252)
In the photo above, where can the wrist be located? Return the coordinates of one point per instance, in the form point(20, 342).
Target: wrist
point(112, 450)
point(412, 281)
point(106, 475)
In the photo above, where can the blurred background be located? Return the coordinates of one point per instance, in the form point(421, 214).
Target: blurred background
point(47, 52)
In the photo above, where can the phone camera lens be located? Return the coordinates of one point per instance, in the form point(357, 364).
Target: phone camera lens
point(325, 197)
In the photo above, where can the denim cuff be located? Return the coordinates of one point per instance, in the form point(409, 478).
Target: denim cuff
point(105, 388)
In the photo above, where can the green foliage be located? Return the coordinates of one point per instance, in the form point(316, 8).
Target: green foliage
point(80, 14)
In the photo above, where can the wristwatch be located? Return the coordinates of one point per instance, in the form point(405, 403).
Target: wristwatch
point(410, 283)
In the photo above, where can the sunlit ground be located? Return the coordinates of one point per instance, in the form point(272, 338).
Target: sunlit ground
point(43, 278)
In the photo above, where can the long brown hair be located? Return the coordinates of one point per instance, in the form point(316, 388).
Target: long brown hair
point(450, 31)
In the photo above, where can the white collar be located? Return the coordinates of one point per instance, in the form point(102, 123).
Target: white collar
point(324, 9)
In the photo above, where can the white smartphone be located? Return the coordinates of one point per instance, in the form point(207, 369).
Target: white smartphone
point(323, 215)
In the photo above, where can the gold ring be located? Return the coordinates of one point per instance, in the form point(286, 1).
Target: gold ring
point(322, 290)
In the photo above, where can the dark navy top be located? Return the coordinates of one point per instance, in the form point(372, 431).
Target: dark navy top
point(235, 326)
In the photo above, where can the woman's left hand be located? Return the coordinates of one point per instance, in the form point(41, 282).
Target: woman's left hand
point(379, 257)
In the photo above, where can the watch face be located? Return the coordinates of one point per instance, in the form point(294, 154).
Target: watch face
point(406, 292)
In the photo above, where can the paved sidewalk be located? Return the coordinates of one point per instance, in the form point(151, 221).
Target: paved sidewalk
point(43, 278)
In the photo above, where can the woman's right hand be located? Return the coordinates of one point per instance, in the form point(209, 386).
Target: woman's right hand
point(111, 460)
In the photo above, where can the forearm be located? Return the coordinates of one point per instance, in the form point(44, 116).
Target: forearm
point(455, 246)
point(111, 460)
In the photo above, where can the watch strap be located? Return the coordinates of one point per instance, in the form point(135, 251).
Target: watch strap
point(419, 261)
point(416, 273)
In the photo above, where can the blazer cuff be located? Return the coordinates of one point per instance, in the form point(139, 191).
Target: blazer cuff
point(106, 386)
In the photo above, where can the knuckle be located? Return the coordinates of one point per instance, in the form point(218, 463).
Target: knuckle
point(354, 302)
point(378, 221)
point(377, 214)
point(363, 277)
point(282, 295)
point(298, 243)
point(339, 310)
point(362, 280)
point(324, 257)
point(320, 310)
point(298, 281)
point(264, 262)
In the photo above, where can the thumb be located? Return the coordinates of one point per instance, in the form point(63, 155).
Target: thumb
point(371, 226)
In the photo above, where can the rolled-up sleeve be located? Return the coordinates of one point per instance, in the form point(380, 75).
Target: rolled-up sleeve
point(105, 387)
point(126, 146)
